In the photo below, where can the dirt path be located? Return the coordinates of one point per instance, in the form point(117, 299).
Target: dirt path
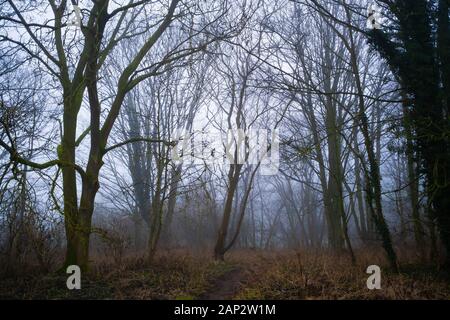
point(224, 287)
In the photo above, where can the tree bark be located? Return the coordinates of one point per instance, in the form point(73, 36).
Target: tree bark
point(233, 179)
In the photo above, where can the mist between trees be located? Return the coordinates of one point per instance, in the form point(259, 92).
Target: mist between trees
point(91, 116)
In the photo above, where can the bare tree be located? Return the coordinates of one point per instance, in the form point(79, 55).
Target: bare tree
point(77, 67)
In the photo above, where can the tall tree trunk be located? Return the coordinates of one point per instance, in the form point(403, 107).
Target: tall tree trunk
point(233, 179)
point(242, 208)
point(156, 214)
point(373, 180)
point(66, 153)
point(328, 209)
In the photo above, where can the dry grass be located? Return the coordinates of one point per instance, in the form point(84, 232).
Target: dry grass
point(176, 276)
point(265, 275)
point(323, 275)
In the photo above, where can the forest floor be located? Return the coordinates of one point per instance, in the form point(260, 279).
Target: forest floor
point(245, 274)
point(225, 286)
